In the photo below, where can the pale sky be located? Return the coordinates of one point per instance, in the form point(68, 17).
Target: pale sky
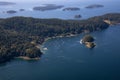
point(43, 0)
point(34, 1)
point(58, 0)
point(31, 0)
point(24, 0)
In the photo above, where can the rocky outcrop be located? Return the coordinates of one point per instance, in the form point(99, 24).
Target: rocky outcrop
point(90, 44)
point(88, 40)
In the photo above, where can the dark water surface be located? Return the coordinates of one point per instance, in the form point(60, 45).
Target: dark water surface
point(67, 59)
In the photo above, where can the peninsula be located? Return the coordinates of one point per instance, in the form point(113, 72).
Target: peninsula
point(22, 36)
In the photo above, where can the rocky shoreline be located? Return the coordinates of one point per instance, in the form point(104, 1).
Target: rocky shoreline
point(27, 58)
point(23, 39)
point(88, 41)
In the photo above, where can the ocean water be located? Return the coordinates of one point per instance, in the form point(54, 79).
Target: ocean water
point(66, 58)
point(109, 6)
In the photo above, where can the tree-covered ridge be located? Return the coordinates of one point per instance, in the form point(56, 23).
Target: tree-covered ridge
point(113, 17)
point(21, 36)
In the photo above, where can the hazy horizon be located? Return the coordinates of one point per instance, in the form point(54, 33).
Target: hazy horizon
point(52, 0)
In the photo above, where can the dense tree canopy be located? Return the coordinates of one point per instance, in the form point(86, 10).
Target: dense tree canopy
point(20, 36)
point(88, 38)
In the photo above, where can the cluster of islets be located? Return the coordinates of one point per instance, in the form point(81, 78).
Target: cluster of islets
point(2, 3)
point(46, 7)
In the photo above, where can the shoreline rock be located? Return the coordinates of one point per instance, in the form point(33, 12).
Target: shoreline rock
point(27, 58)
point(90, 44)
point(88, 41)
point(25, 38)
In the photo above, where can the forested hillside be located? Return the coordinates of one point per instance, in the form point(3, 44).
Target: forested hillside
point(21, 36)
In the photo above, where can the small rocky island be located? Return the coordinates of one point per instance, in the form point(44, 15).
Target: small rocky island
point(21, 9)
point(94, 6)
point(77, 16)
point(6, 3)
point(46, 7)
point(71, 9)
point(88, 40)
point(11, 11)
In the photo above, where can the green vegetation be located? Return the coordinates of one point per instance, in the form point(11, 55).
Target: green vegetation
point(112, 17)
point(47, 7)
point(88, 40)
point(21, 36)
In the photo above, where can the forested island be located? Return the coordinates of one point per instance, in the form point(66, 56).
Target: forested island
point(88, 41)
point(22, 36)
point(94, 6)
point(21, 9)
point(6, 3)
point(46, 7)
point(11, 11)
point(77, 16)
